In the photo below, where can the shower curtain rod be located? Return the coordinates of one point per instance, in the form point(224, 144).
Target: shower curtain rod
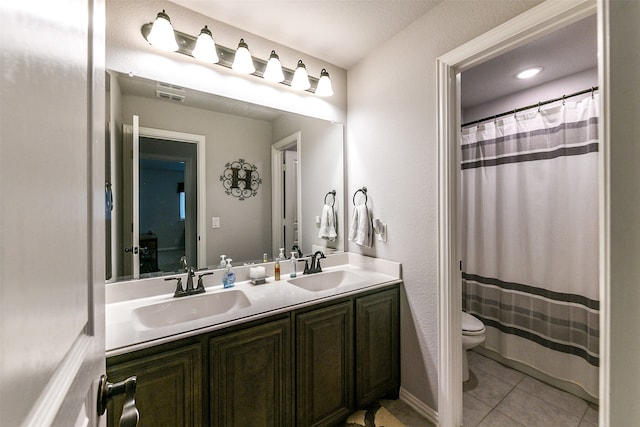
point(528, 107)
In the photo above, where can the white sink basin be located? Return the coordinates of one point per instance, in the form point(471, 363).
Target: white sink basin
point(187, 309)
point(328, 280)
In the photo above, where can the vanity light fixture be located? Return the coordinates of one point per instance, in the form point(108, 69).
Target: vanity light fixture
point(528, 73)
point(243, 63)
point(162, 35)
point(205, 49)
point(324, 87)
point(300, 77)
point(273, 72)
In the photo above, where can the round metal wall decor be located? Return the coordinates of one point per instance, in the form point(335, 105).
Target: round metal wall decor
point(240, 179)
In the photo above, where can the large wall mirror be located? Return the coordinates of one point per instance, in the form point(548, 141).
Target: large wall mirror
point(170, 152)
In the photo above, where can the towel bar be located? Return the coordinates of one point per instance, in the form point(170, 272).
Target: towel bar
point(333, 193)
point(362, 190)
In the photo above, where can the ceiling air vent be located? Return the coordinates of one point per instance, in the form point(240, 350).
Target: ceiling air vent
point(169, 86)
point(169, 96)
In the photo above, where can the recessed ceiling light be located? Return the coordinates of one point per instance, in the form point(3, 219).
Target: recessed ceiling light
point(528, 73)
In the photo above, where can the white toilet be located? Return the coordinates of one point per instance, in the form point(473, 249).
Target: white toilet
point(473, 334)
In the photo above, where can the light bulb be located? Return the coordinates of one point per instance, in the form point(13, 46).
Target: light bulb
point(243, 63)
point(273, 72)
point(324, 84)
point(528, 73)
point(205, 49)
point(162, 35)
point(300, 77)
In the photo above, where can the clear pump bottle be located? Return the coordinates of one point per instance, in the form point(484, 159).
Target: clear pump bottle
point(293, 265)
point(229, 278)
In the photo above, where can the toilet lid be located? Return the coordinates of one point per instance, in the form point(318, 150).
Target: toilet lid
point(471, 323)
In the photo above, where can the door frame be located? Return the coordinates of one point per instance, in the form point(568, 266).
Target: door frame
point(540, 20)
point(201, 211)
point(277, 210)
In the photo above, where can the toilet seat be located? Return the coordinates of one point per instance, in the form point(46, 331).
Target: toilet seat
point(471, 325)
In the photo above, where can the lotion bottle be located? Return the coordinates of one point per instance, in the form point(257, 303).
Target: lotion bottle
point(276, 269)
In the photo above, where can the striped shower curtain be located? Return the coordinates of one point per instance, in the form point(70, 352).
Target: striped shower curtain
point(530, 245)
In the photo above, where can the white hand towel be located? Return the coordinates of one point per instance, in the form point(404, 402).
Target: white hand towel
point(361, 231)
point(328, 224)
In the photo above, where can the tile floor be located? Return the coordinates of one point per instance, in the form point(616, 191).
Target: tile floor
point(497, 396)
point(405, 413)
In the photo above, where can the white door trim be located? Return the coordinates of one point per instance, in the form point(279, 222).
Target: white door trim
point(200, 141)
point(277, 210)
point(540, 20)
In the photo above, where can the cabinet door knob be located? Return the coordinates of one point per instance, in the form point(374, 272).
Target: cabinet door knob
point(106, 391)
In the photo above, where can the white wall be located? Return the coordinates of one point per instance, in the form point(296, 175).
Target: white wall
point(392, 149)
point(322, 170)
point(128, 51)
point(622, 111)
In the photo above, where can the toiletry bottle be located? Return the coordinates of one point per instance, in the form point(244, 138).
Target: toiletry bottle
point(293, 265)
point(281, 256)
point(276, 269)
point(229, 278)
point(223, 263)
point(265, 258)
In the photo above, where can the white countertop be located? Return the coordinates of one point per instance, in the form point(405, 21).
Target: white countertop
point(124, 334)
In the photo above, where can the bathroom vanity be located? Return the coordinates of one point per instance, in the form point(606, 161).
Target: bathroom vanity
point(305, 354)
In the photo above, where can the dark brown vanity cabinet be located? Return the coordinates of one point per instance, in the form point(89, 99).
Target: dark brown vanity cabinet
point(377, 346)
point(308, 367)
point(169, 386)
point(250, 376)
point(324, 364)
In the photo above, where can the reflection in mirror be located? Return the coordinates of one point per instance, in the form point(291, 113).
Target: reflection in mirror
point(183, 208)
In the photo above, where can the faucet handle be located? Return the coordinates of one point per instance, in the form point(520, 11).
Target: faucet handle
point(179, 291)
point(200, 288)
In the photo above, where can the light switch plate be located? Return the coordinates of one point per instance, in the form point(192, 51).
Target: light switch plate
point(215, 222)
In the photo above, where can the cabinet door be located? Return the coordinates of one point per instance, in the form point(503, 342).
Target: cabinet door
point(377, 346)
point(250, 376)
point(169, 389)
point(324, 365)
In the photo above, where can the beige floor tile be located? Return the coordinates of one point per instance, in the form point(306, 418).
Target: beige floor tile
point(498, 419)
point(490, 366)
point(489, 389)
point(473, 410)
point(590, 418)
point(532, 411)
point(561, 399)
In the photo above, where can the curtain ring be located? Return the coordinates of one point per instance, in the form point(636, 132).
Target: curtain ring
point(514, 113)
point(563, 100)
point(539, 106)
point(592, 91)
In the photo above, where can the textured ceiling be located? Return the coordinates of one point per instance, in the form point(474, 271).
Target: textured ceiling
point(341, 32)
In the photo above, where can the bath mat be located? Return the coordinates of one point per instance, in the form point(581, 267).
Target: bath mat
point(374, 416)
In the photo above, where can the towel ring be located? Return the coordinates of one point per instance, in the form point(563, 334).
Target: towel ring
point(333, 193)
point(362, 190)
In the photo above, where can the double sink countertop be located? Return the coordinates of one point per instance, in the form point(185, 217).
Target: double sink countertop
point(144, 313)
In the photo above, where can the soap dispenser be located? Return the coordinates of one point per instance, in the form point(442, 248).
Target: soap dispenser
point(281, 256)
point(293, 265)
point(229, 277)
point(223, 263)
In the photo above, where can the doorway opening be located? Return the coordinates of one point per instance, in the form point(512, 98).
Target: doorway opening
point(519, 31)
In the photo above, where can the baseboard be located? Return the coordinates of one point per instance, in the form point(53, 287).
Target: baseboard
point(419, 406)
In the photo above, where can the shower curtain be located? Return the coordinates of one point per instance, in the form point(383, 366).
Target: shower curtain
point(530, 245)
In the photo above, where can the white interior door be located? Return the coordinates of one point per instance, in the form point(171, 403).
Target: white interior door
point(131, 201)
point(52, 212)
